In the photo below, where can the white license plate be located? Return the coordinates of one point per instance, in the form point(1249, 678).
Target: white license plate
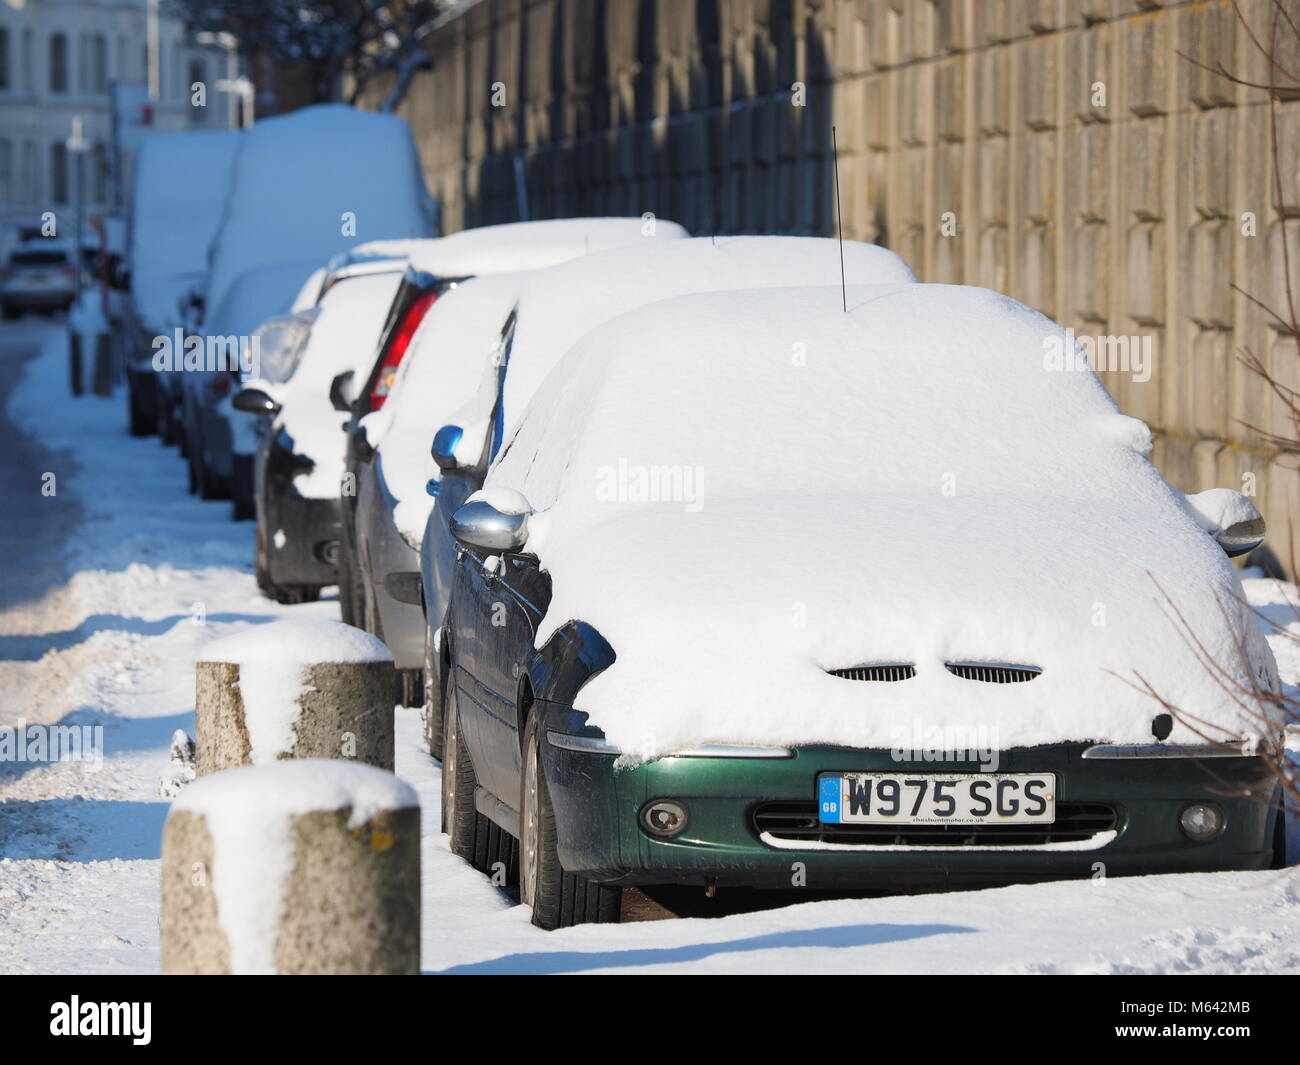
point(937, 798)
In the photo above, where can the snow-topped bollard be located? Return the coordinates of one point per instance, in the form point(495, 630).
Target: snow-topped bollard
point(307, 866)
point(294, 689)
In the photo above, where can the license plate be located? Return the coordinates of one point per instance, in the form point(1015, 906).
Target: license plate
point(937, 798)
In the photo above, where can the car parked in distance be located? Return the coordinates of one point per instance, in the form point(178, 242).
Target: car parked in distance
point(379, 571)
point(177, 199)
point(299, 459)
point(555, 309)
point(719, 610)
point(37, 275)
point(295, 201)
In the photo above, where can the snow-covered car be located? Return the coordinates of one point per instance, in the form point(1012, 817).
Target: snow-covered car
point(177, 198)
point(555, 309)
point(37, 275)
point(883, 597)
point(306, 186)
point(379, 586)
point(298, 464)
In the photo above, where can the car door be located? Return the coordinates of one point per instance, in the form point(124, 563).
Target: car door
point(495, 617)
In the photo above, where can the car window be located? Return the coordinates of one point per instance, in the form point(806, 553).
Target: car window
point(37, 258)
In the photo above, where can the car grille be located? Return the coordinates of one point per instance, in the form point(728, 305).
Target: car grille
point(993, 672)
point(886, 671)
point(1076, 822)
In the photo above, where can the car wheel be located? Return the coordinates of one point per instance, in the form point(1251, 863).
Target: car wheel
point(9, 312)
point(412, 686)
point(557, 899)
point(347, 592)
point(1279, 835)
point(472, 836)
point(139, 421)
point(432, 710)
point(192, 463)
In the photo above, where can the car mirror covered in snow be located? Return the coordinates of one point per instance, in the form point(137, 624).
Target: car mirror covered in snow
point(497, 525)
point(254, 401)
point(1230, 517)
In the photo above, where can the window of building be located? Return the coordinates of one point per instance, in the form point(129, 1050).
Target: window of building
point(6, 170)
point(29, 77)
point(99, 64)
point(4, 58)
point(59, 63)
point(98, 174)
point(59, 172)
point(30, 186)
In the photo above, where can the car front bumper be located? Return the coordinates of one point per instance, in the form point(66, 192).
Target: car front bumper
point(600, 836)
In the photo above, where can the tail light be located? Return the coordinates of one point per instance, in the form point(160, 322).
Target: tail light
point(68, 269)
point(219, 385)
point(397, 349)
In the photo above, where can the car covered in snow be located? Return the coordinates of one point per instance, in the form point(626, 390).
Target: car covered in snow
point(37, 275)
point(298, 464)
point(306, 186)
point(883, 598)
point(555, 308)
point(177, 199)
point(379, 585)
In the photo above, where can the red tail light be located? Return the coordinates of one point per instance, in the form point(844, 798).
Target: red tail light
point(69, 269)
point(397, 349)
point(219, 385)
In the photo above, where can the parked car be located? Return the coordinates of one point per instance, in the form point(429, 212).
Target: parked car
point(434, 269)
point(306, 186)
point(38, 275)
point(719, 611)
point(299, 460)
point(555, 309)
point(177, 198)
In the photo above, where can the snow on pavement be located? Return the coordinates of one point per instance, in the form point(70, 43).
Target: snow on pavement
point(156, 574)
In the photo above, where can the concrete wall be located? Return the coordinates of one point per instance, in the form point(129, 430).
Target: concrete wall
point(974, 138)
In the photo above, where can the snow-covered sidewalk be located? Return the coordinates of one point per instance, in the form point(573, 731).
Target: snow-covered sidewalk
point(156, 574)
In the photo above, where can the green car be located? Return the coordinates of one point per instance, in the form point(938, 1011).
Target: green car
point(754, 687)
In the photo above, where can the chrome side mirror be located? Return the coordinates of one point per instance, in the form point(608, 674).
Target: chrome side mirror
point(1230, 518)
point(337, 399)
point(254, 401)
point(479, 524)
point(445, 442)
point(1241, 537)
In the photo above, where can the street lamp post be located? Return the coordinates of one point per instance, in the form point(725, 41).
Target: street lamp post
point(77, 146)
point(231, 83)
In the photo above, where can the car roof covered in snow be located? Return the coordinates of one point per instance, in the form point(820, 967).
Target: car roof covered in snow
point(301, 178)
point(759, 488)
point(559, 305)
point(255, 295)
point(517, 246)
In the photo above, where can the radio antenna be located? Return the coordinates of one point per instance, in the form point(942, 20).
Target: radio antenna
point(839, 221)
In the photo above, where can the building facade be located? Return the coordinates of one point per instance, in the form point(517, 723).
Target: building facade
point(59, 60)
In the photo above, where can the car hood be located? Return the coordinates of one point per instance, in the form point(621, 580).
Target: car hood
point(727, 616)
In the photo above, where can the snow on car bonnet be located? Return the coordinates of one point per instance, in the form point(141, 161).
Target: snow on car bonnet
point(557, 307)
point(450, 352)
point(343, 337)
point(743, 492)
point(519, 246)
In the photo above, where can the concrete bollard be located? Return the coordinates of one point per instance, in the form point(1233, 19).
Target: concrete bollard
point(102, 375)
point(300, 867)
point(74, 362)
point(294, 689)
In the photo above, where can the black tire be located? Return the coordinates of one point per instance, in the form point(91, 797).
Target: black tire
point(140, 422)
point(9, 312)
point(557, 899)
point(472, 836)
point(243, 509)
point(434, 687)
point(1279, 835)
point(349, 602)
point(192, 464)
point(412, 686)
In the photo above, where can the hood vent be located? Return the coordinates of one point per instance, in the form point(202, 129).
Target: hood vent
point(882, 671)
point(993, 672)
